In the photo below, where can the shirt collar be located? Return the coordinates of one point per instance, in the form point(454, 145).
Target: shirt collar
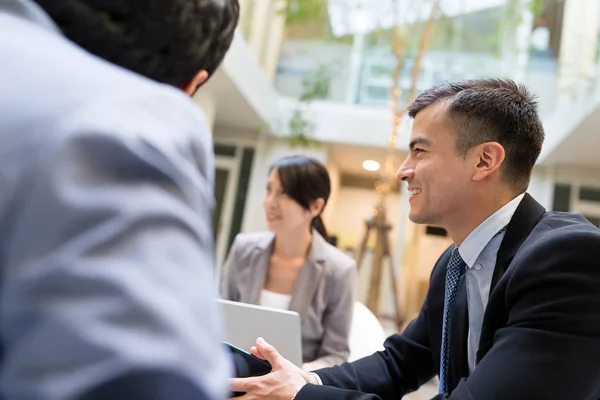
point(29, 11)
point(477, 240)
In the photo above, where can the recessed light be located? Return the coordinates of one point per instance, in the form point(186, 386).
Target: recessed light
point(370, 165)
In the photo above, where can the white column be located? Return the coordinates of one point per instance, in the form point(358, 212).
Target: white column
point(358, 46)
point(578, 43)
point(260, 27)
point(252, 220)
point(245, 18)
point(273, 42)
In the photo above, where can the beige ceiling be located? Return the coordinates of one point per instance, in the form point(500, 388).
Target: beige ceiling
point(232, 108)
point(349, 158)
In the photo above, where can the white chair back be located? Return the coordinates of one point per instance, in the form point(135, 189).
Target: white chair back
point(366, 333)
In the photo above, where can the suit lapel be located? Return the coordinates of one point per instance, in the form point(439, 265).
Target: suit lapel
point(309, 276)
point(525, 218)
point(260, 261)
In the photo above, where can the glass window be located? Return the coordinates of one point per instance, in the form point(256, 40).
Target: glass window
point(224, 150)
point(562, 197)
point(589, 193)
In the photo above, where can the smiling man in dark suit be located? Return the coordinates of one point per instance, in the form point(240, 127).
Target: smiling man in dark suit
point(513, 308)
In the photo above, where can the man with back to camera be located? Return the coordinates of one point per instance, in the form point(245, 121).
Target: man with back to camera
point(513, 308)
point(106, 174)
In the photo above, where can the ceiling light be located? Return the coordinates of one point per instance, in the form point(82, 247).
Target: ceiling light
point(370, 165)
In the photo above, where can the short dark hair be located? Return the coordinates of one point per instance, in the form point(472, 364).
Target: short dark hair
point(305, 180)
point(492, 110)
point(168, 41)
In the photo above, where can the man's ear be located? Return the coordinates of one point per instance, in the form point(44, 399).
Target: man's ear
point(192, 85)
point(488, 158)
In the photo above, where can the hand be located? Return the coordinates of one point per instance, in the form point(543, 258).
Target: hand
point(281, 383)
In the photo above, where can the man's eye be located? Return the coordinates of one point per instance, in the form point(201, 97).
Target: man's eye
point(417, 150)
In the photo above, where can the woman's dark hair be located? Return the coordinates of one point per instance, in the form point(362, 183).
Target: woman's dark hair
point(305, 180)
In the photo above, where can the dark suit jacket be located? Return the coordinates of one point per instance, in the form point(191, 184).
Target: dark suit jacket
point(540, 336)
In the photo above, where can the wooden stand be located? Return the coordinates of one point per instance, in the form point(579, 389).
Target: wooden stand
point(382, 255)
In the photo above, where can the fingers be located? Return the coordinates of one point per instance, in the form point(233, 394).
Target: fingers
point(269, 352)
point(254, 351)
point(240, 384)
point(248, 386)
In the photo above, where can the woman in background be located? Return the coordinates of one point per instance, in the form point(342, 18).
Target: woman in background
point(293, 266)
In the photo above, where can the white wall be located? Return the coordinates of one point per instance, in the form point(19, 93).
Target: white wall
point(541, 186)
point(350, 211)
point(352, 208)
point(207, 102)
point(347, 123)
point(248, 79)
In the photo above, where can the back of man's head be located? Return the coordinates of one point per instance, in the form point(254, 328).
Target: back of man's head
point(168, 41)
point(498, 110)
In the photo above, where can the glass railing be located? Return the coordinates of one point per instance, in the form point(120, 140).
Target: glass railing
point(308, 65)
point(305, 65)
point(358, 69)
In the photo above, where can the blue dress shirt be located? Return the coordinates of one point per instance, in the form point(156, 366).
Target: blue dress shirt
point(479, 251)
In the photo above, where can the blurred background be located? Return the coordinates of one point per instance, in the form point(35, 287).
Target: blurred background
point(316, 77)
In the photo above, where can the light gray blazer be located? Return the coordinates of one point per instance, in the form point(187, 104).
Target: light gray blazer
point(324, 292)
point(106, 250)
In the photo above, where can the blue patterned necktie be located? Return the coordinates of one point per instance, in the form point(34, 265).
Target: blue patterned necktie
point(455, 269)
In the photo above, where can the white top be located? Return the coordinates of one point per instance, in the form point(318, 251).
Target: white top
point(275, 300)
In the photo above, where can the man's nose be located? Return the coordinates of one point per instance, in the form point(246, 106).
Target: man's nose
point(405, 172)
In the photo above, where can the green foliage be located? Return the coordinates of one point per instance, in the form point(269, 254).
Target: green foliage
point(444, 32)
point(536, 7)
point(300, 130)
point(303, 11)
point(379, 37)
point(512, 16)
point(315, 86)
